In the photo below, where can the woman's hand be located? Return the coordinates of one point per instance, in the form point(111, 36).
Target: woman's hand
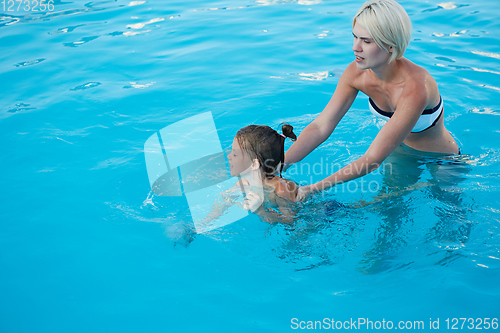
point(252, 201)
point(304, 192)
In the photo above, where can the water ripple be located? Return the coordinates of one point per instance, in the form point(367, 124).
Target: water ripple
point(282, 2)
point(487, 54)
point(485, 111)
point(84, 40)
point(79, 132)
point(29, 63)
point(8, 20)
point(133, 33)
point(113, 162)
point(136, 3)
point(66, 29)
point(222, 8)
point(138, 86)
point(445, 6)
point(87, 85)
point(21, 107)
point(318, 76)
point(142, 25)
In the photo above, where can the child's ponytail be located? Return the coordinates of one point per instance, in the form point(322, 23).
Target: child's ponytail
point(287, 130)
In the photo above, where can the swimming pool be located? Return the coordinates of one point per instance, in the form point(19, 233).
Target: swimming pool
point(84, 245)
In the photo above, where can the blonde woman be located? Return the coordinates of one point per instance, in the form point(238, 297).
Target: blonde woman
point(402, 93)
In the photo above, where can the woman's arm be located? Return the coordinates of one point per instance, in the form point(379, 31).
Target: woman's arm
point(387, 140)
point(382, 196)
point(322, 127)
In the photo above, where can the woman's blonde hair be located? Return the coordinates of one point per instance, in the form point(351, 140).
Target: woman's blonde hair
point(388, 24)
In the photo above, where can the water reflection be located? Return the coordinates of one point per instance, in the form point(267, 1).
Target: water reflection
point(420, 211)
point(444, 208)
point(281, 2)
point(445, 6)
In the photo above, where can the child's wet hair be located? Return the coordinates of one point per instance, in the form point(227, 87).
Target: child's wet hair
point(266, 145)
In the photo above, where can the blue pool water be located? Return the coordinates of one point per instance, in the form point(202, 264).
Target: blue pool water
point(86, 247)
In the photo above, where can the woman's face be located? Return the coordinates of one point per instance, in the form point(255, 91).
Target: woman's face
point(239, 161)
point(368, 54)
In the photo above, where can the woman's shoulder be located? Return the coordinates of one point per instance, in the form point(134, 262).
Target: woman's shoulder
point(419, 82)
point(352, 71)
point(415, 73)
point(356, 77)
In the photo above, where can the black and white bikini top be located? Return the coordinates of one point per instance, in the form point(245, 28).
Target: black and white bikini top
point(428, 118)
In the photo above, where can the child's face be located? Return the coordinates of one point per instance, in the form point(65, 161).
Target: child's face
point(239, 161)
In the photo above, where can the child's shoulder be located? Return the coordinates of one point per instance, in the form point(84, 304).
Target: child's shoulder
point(284, 188)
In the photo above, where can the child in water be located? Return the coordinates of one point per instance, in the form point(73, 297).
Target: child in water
point(257, 155)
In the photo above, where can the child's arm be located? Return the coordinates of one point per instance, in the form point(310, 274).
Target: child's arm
point(285, 194)
point(271, 216)
point(227, 198)
point(223, 201)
